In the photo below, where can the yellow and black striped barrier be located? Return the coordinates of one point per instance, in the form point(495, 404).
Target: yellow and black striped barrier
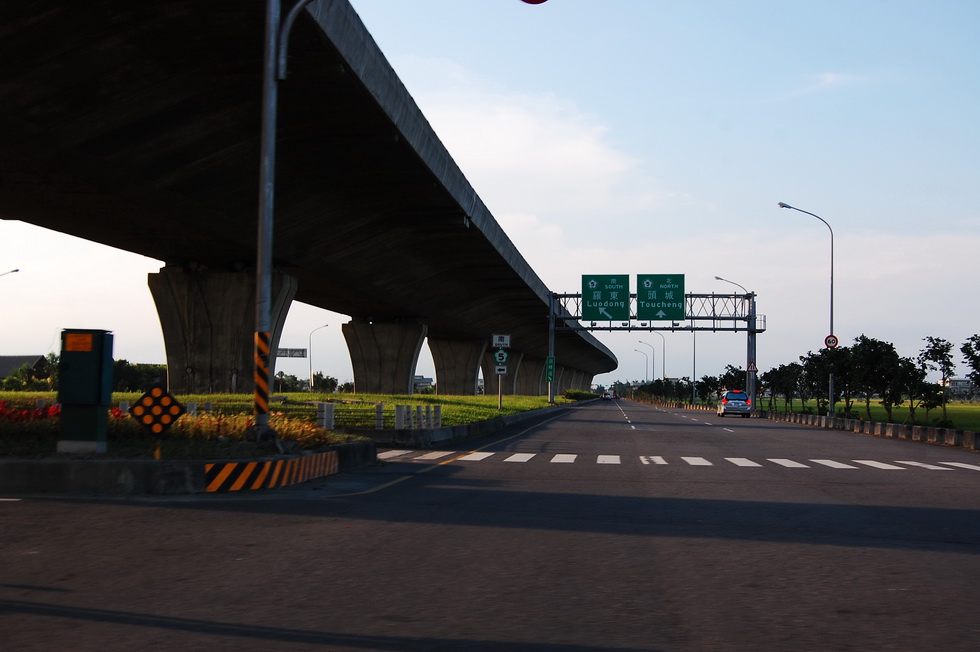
point(261, 406)
point(269, 474)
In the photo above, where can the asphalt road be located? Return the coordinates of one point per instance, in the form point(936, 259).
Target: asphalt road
point(614, 526)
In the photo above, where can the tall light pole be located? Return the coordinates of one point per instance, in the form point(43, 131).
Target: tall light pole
point(273, 71)
point(653, 359)
point(10, 272)
point(831, 339)
point(646, 364)
point(310, 353)
point(750, 345)
point(663, 355)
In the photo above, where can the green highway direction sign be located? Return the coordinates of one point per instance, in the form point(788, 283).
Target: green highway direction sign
point(606, 297)
point(660, 297)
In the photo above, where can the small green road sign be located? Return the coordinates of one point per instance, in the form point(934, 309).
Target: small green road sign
point(660, 297)
point(606, 297)
point(501, 356)
point(550, 369)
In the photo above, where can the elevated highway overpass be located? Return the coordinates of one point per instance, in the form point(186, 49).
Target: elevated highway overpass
point(137, 125)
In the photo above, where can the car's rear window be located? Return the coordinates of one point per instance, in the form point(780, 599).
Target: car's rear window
point(735, 396)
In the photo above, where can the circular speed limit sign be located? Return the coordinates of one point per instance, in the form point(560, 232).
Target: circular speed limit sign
point(831, 341)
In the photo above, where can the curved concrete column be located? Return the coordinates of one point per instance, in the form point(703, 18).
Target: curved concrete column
point(561, 379)
point(509, 381)
point(457, 364)
point(530, 379)
point(514, 366)
point(208, 322)
point(384, 356)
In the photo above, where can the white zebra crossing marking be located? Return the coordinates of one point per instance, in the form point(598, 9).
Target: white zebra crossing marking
point(659, 460)
point(742, 461)
point(386, 455)
point(789, 464)
point(834, 464)
point(563, 458)
point(931, 467)
point(963, 465)
point(697, 461)
point(434, 455)
point(881, 465)
point(475, 457)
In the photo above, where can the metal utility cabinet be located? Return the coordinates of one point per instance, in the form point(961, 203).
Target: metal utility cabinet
point(84, 390)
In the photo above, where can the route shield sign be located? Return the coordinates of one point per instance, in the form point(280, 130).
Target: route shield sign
point(606, 297)
point(660, 297)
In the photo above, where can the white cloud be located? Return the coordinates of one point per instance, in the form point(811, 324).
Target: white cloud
point(527, 152)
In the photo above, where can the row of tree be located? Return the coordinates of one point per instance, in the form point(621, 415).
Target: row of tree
point(868, 369)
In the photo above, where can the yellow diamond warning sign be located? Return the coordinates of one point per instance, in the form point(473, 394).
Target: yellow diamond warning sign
point(156, 410)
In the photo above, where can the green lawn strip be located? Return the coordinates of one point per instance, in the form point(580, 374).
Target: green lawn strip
point(965, 416)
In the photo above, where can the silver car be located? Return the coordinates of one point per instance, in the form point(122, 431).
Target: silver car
point(735, 402)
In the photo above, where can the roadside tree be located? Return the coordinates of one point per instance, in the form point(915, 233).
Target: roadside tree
point(971, 356)
point(938, 356)
point(873, 363)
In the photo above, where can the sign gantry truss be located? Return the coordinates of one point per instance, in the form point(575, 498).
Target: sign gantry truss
point(703, 312)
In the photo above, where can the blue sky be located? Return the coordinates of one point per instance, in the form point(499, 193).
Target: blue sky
point(649, 137)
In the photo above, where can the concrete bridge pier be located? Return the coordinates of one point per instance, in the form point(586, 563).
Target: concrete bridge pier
point(384, 355)
point(208, 321)
point(457, 364)
point(530, 380)
point(568, 378)
point(509, 381)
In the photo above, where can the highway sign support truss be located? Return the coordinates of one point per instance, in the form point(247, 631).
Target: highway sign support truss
point(703, 312)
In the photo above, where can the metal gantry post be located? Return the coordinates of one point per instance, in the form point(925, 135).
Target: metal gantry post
point(751, 370)
point(551, 343)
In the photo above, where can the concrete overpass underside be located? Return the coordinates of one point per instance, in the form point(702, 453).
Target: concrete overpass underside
point(137, 124)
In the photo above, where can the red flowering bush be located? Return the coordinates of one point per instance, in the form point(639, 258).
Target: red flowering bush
point(25, 414)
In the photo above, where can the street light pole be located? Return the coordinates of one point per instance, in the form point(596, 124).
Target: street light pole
point(653, 358)
point(310, 353)
point(830, 399)
point(646, 364)
point(750, 366)
point(273, 71)
point(663, 355)
point(10, 272)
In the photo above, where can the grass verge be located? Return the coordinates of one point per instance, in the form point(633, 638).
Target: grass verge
point(29, 431)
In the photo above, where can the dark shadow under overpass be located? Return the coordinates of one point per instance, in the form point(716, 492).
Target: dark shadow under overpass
point(136, 124)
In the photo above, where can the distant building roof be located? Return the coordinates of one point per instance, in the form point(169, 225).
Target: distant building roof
point(11, 363)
